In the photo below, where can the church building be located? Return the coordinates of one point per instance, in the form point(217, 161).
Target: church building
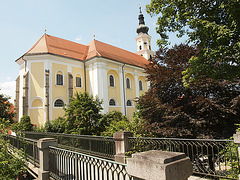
point(54, 69)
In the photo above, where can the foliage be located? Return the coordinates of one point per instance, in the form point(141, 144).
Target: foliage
point(48, 126)
point(213, 25)
point(115, 122)
point(25, 123)
point(83, 115)
point(58, 125)
point(207, 110)
point(10, 164)
point(6, 108)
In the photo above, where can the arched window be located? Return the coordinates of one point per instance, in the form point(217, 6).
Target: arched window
point(78, 81)
point(59, 78)
point(58, 103)
point(112, 102)
point(140, 85)
point(111, 81)
point(128, 83)
point(129, 103)
point(140, 47)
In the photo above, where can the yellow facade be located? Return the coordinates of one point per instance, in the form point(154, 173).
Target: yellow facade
point(37, 117)
point(78, 72)
point(59, 91)
point(114, 92)
point(37, 80)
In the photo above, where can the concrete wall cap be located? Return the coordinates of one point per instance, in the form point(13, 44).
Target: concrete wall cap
point(122, 135)
point(236, 138)
point(162, 157)
point(46, 142)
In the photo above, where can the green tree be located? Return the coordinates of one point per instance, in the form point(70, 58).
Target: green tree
point(213, 25)
point(115, 121)
point(57, 126)
point(83, 115)
point(209, 109)
point(25, 123)
point(11, 164)
point(6, 108)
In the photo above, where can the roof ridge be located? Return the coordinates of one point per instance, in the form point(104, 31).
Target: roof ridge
point(35, 44)
point(46, 42)
point(96, 47)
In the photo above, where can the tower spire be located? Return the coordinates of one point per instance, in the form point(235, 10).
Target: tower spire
point(143, 39)
point(142, 28)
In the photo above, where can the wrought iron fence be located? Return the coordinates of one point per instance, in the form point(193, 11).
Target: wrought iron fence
point(66, 164)
point(29, 146)
point(94, 145)
point(212, 158)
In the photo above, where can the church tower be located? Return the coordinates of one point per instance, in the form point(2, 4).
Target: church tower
point(143, 39)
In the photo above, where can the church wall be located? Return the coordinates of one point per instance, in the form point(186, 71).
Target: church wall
point(114, 109)
point(114, 92)
point(143, 79)
point(87, 82)
point(130, 111)
point(58, 112)
point(37, 80)
point(130, 93)
point(78, 71)
point(37, 116)
point(59, 91)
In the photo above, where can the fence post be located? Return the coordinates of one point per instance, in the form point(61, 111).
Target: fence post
point(43, 145)
point(122, 145)
point(236, 138)
point(159, 165)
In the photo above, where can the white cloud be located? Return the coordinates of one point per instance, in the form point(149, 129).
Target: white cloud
point(9, 78)
point(79, 39)
point(8, 88)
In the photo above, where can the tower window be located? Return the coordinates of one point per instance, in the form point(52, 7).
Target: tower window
point(140, 47)
point(78, 81)
point(145, 43)
point(140, 85)
point(149, 47)
point(59, 78)
point(112, 102)
point(128, 83)
point(58, 103)
point(129, 103)
point(111, 81)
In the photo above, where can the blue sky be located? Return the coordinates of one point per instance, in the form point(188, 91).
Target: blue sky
point(23, 23)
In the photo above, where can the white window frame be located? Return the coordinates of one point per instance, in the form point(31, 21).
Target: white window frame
point(129, 83)
point(56, 77)
point(114, 101)
point(139, 85)
point(80, 80)
point(130, 101)
point(113, 80)
point(64, 102)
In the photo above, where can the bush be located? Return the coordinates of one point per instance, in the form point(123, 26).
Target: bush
point(58, 125)
point(115, 121)
point(25, 123)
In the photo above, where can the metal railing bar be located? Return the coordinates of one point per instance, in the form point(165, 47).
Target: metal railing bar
point(87, 155)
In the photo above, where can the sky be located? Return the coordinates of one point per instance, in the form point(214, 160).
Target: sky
point(23, 22)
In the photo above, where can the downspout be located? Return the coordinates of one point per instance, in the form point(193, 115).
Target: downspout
point(25, 65)
point(85, 87)
point(124, 93)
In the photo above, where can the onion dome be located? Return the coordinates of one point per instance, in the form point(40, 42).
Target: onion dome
point(142, 28)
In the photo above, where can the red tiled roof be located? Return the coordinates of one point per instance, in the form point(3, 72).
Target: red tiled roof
point(62, 47)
